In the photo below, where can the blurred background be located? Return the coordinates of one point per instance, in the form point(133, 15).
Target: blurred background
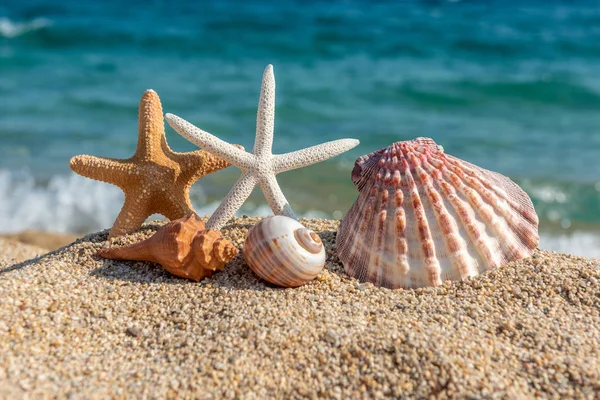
point(514, 88)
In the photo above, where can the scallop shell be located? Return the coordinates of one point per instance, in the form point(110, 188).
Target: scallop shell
point(424, 217)
point(282, 251)
point(183, 247)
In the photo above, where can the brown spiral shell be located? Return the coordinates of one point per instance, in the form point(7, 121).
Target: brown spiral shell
point(183, 247)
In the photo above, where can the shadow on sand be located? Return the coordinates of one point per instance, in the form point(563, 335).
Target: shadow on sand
point(236, 275)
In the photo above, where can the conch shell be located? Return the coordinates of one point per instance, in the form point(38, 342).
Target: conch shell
point(283, 252)
point(183, 247)
point(424, 217)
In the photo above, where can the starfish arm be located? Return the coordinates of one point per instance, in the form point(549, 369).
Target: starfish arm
point(312, 155)
point(275, 197)
point(265, 118)
point(132, 216)
point(211, 143)
point(110, 170)
point(151, 127)
point(232, 202)
point(196, 164)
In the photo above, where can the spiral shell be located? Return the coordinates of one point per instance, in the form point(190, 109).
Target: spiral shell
point(183, 247)
point(282, 251)
point(424, 217)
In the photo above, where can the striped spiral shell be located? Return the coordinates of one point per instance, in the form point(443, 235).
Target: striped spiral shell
point(283, 252)
point(424, 217)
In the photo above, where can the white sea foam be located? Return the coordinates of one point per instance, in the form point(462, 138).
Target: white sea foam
point(71, 203)
point(10, 29)
point(580, 243)
point(65, 204)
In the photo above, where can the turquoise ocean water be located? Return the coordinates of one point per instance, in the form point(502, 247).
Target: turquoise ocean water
point(511, 86)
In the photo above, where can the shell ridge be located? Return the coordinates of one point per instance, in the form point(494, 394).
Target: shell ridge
point(396, 265)
point(393, 272)
point(357, 238)
point(486, 221)
point(358, 248)
point(344, 240)
point(380, 234)
point(371, 226)
point(415, 262)
point(390, 271)
point(401, 245)
point(379, 260)
point(502, 219)
point(431, 204)
point(364, 168)
point(365, 232)
point(505, 188)
point(400, 277)
point(504, 239)
point(471, 227)
point(458, 254)
point(522, 207)
point(426, 246)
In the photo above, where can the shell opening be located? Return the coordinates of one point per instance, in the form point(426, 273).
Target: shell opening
point(309, 240)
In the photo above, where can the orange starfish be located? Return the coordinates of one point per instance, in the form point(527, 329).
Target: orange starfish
point(155, 179)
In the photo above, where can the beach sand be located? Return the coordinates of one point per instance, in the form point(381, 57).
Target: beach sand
point(40, 239)
point(72, 324)
point(14, 251)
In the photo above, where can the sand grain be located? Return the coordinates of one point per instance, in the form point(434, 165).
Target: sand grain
point(14, 251)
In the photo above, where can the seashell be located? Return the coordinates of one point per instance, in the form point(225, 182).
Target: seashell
point(212, 250)
point(183, 247)
point(424, 217)
point(282, 251)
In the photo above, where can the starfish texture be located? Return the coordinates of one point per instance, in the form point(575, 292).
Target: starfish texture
point(260, 166)
point(155, 179)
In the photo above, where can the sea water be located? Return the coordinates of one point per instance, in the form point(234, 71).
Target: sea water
point(511, 86)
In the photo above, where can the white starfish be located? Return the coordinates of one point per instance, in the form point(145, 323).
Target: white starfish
point(260, 166)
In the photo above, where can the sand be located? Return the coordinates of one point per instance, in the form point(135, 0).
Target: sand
point(14, 251)
point(41, 239)
point(73, 325)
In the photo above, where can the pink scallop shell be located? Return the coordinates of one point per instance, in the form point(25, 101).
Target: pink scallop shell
point(424, 217)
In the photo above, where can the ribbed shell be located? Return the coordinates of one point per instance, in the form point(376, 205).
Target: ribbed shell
point(282, 251)
point(183, 247)
point(424, 217)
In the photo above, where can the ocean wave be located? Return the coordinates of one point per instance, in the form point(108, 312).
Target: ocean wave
point(74, 204)
point(10, 29)
point(63, 204)
point(580, 243)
